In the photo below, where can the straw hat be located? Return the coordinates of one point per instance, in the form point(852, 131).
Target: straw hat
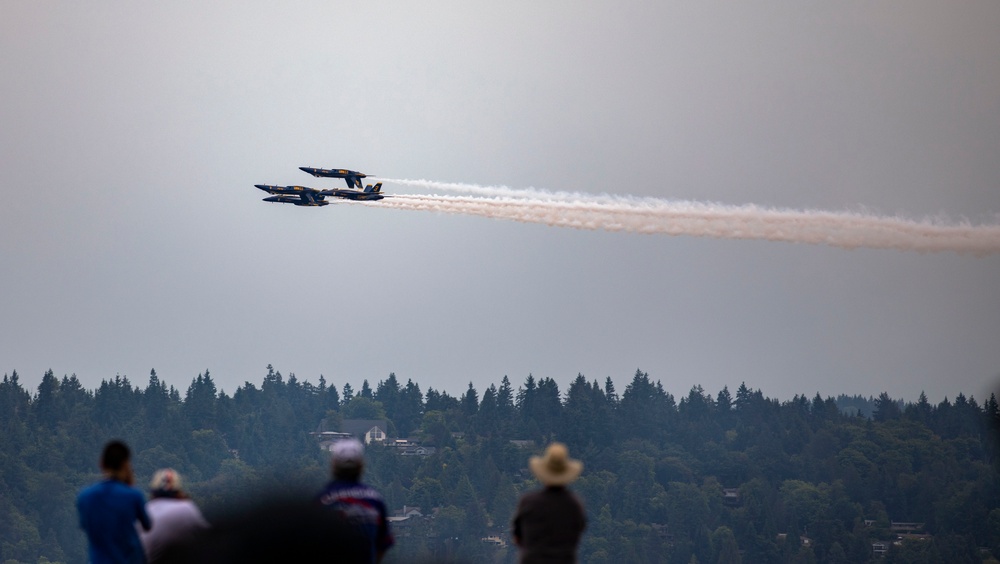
point(556, 468)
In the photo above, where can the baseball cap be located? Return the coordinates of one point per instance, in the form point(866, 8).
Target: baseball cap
point(348, 453)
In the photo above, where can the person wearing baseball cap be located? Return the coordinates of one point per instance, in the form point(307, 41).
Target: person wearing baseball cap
point(549, 522)
point(358, 503)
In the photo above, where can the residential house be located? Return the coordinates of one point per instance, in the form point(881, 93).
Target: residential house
point(417, 450)
point(879, 548)
point(494, 540)
point(326, 439)
point(905, 528)
point(731, 496)
point(407, 512)
point(367, 431)
point(407, 447)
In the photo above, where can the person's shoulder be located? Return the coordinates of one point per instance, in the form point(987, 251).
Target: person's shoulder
point(185, 505)
point(109, 489)
point(162, 504)
point(330, 486)
point(364, 489)
point(123, 489)
point(101, 487)
point(172, 506)
point(344, 485)
point(359, 490)
point(372, 492)
point(565, 492)
point(560, 493)
point(534, 495)
point(88, 492)
point(88, 489)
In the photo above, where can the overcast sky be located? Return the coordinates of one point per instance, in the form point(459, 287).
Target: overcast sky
point(132, 238)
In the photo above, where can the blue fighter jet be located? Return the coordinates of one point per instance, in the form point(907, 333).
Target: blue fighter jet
point(352, 177)
point(298, 195)
point(305, 196)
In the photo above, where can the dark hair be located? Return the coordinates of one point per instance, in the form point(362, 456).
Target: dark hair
point(115, 455)
point(169, 494)
point(349, 473)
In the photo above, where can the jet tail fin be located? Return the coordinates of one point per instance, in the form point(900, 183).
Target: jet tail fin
point(374, 189)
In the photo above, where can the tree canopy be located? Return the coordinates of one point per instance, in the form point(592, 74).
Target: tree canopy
point(712, 477)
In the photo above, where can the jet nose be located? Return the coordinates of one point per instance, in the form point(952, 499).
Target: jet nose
point(261, 186)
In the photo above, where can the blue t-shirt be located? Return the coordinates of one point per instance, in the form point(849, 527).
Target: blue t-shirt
point(362, 506)
point(108, 513)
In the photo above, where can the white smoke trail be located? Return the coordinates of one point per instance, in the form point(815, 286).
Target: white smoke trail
point(648, 215)
point(506, 191)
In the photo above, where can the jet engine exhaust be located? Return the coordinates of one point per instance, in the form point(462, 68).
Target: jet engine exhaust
point(655, 216)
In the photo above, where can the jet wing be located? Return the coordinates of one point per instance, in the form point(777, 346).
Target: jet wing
point(296, 200)
point(295, 190)
point(270, 189)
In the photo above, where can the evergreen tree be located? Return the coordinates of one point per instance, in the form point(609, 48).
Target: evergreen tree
point(610, 394)
point(409, 409)
point(199, 401)
point(470, 403)
point(348, 394)
point(547, 408)
point(388, 393)
point(582, 414)
point(440, 401)
point(646, 408)
point(45, 407)
point(724, 402)
point(329, 397)
point(506, 411)
point(886, 408)
point(487, 420)
point(526, 399)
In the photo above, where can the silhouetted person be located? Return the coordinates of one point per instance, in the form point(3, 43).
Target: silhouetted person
point(176, 519)
point(287, 529)
point(549, 522)
point(110, 509)
point(357, 503)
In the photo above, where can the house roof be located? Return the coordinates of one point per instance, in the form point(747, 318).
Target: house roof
point(359, 427)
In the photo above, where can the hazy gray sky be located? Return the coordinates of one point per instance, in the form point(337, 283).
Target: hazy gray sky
point(131, 236)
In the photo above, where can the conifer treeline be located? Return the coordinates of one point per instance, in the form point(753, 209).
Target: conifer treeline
point(803, 476)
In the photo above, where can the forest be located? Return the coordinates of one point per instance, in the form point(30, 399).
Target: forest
point(733, 476)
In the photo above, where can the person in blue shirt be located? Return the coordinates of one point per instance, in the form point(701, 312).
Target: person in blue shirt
point(110, 509)
point(359, 504)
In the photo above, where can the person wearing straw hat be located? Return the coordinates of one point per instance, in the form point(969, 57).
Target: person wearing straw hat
point(549, 522)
